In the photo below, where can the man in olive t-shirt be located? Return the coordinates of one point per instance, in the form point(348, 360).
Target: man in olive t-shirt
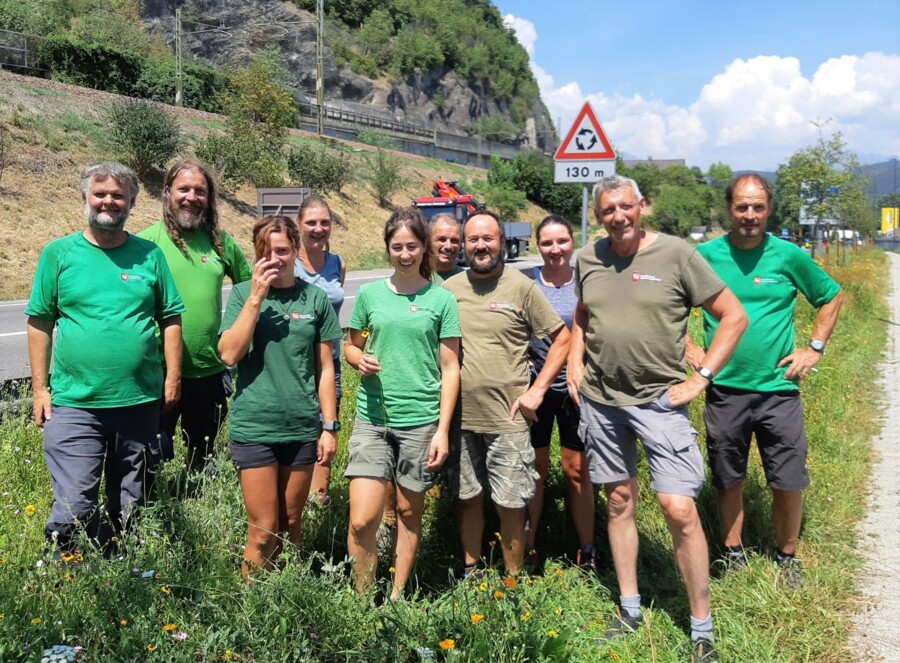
point(200, 256)
point(636, 289)
point(758, 391)
point(499, 310)
point(105, 291)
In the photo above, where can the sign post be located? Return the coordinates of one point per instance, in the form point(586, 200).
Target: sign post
point(584, 157)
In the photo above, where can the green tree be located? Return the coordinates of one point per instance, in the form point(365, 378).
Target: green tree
point(384, 175)
point(678, 209)
point(890, 200)
point(143, 135)
point(507, 203)
point(719, 175)
point(820, 181)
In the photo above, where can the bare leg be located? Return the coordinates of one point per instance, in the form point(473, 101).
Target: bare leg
point(366, 505)
point(536, 505)
point(390, 504)
point(261, 497)
point(293, 488)
point(410, 506)
point(787, 514)
point(623, 535)
point(581, 494)
point(470, 519)
point(321, 478)
point(512, 535)
point(731, 513)
point(691, 552)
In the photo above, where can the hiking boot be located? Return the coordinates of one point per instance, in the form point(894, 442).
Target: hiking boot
point(586, 559)
point(790, 572)
point(621, 625)
point(704, 651)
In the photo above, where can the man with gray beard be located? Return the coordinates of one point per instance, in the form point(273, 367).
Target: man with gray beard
point(105, 291)
point(200, 256)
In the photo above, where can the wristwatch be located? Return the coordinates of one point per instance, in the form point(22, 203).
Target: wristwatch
point(817, 345)
point(333, 426)
point(706, 373)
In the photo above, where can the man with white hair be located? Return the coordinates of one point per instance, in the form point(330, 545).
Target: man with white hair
point(105, 291)
point(626, 368)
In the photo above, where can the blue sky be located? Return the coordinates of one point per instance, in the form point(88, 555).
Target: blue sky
point(714, 81)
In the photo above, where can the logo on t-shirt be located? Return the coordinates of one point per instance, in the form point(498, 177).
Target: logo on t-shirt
point(758, 280)
point(295, 315)
point(204, 258)
point(133, 277)
point(637, 276)
point(500, 306)
point(413, 308)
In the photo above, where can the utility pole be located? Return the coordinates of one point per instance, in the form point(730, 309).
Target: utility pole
point(178, 64)
point(320, 58)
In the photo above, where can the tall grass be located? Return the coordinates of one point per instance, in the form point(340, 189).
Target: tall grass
point(176, 593)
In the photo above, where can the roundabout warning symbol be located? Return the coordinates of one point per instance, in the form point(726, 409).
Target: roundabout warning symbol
point(586, 140)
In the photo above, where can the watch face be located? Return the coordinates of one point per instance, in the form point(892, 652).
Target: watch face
point(818, 346)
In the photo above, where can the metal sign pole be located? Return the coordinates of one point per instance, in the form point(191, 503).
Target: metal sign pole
point(584, 215)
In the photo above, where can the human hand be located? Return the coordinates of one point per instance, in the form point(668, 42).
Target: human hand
point(41, 407)
point(527, 404)
point(684, 392)
point(574, 376)
point(264, 272)
point(802, 361)
point(439, 450)
point(327, 447)
point(695, 355)
point(171, 393)
point(368, 365)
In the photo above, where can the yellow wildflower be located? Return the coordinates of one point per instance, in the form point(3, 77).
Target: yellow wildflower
point(552, 633)
point(526, 614)
point(151, 647)
point(36, 621)
point(30, 510)
point(476, 618)
point(165, 589)
point(170, 627)
point(483, 587)
point(449, 643)
point(499, 595)
point(67, 557)
point(123, 622)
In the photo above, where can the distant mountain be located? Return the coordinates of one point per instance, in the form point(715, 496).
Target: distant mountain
point(884, 178)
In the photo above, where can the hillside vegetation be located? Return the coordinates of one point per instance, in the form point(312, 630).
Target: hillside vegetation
point(52, 130)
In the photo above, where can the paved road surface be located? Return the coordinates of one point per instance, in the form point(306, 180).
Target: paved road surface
point(13, 345)
point(876, 635)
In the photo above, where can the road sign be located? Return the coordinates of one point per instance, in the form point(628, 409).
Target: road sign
point(586, 154)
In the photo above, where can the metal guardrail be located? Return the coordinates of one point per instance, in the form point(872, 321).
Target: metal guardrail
point(17, 52)
point(889, 243)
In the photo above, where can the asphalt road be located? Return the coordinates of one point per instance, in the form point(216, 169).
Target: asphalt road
point(14, 348)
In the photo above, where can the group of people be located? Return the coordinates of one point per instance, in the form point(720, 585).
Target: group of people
point(462, 374)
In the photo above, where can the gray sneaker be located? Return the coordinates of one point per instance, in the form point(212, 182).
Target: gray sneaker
point(704, 652)
point(790, 572)
point(621, 626)
point(734, 560)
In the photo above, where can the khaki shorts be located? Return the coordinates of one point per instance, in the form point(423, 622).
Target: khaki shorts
point(670, 444)
point(504, 462)
point(396, 454)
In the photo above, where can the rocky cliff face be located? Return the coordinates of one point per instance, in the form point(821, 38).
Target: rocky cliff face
point(228, 33)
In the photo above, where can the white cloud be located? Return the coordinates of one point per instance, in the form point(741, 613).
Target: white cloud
point(754, 114)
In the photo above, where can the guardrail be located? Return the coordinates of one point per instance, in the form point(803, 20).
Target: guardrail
point(18, 53)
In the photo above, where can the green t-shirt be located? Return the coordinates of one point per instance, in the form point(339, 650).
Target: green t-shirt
point(275, 397)
point(106, 303)
point(199, 278)
point(638, 308)
point(498, 317)
point(404, 335)
point(438, 278)
point(766, 280)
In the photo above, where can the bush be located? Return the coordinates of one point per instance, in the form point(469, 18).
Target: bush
point(234, 155)
point(507, 203)
point(202, 87)
point(79, 63)
point(144, 135)
point(318, 169)
point(385, 174)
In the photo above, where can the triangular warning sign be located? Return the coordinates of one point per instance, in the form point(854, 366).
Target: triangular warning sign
point(586, 139)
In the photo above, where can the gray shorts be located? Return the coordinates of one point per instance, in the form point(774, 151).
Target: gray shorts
point(670, 444)
point(395, 454)
point(732, 416)
point(504, 462)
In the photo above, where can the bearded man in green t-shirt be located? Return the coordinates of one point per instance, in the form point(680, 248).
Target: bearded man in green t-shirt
point(758, 391)
point(200, 256)
point(105, 291)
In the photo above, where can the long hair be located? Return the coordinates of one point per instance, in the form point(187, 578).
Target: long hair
point(410, 217)
point(211, 219)
point(263, 229)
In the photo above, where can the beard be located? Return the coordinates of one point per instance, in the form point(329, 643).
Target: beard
point(106, 221)
point(187, 219)
point(483, 268)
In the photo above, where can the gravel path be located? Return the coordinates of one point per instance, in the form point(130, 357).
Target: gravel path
point(876, 632)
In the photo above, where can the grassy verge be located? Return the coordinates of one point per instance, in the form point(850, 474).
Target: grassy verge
point(176, 594)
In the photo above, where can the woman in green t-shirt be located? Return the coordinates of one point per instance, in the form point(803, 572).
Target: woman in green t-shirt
point(278, 330)
point(404, 341)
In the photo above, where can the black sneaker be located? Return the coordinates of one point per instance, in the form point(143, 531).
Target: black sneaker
point(621, 626)
point(734, 560)
point(473, 572)
point(790, 572)
point(586, 559)
point(704, 652)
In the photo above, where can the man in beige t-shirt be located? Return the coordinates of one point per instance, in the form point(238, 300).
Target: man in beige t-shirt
point(500, 310)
